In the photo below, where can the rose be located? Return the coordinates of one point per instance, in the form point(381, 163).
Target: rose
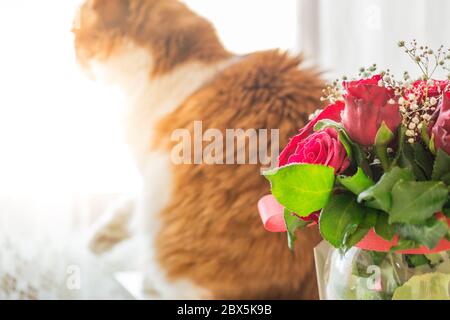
point(432, 88)
point(322, 147)
point(368, 106)
point(309, 145)
point(332, 112)
point(441, 128)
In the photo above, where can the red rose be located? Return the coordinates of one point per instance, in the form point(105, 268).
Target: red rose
point(332, 112)
point(367, 107)
point(322, 147)
point(441, 128)
point(434, 89)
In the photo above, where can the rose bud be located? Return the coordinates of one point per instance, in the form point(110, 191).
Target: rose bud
point(367, 107)
point(441, 128)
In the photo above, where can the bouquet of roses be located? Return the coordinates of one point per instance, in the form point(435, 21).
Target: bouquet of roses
point(373, 167)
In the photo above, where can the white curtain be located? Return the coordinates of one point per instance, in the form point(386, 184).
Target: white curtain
point(343, 35)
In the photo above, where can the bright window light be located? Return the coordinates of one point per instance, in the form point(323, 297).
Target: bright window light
point(59, 132)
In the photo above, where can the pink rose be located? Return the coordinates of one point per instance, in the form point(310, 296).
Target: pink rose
point(332, 112)
point(367, 107)
point(441, 128)
point(322, 147)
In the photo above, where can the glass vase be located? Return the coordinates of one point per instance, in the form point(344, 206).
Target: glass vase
point(370, 275)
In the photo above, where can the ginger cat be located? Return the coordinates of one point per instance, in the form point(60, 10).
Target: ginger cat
point(201, 234)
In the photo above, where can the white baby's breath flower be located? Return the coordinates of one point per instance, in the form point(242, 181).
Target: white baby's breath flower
point(411, 96)
point(314, 114)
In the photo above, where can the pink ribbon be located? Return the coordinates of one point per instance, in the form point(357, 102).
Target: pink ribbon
point(272, 214)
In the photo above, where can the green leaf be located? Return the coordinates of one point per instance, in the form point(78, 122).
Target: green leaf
point(382, 155)
point(383, 228)
point(423, 159)
point(431, 145)
point(340, 218)
point(428, 286)
point(441, 165)
point(424, 133)
point(428, 234)
point(343, 136)
point(416, 201)
point(416, 260)
point(401, 142)
point(327, 123)
point(369, 221)
point(404, 244)
point(292, 224)
point(413, 156)
point(302, 188)
point(360, 158)
point(446, 179)
point(384, 135)
point(377, 257)
point(354, 151)
point(356, 183)
point(408, 160)
point(446, 209)
point(379, 195)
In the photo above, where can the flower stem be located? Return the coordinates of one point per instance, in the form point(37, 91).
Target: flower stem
point(396, 276)
point(381, 152)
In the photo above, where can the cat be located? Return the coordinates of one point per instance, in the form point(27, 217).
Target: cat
point(198, 223)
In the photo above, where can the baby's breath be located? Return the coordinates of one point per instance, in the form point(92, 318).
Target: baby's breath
point(333, 91)
point(413, 98)
point(427, 59)
point(367, 72)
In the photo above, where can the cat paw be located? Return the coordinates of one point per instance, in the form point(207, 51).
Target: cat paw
point(112, 228)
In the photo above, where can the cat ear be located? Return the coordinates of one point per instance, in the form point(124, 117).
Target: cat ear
point(111, 13)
